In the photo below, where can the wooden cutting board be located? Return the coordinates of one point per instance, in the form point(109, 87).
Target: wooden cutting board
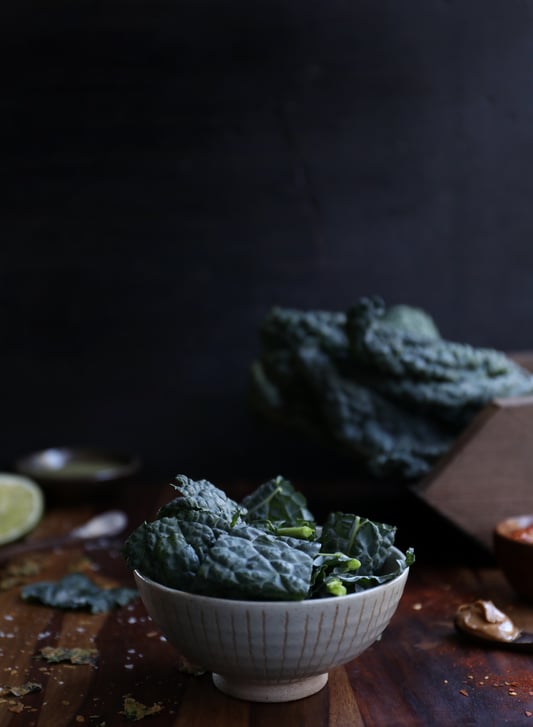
point(488, 474)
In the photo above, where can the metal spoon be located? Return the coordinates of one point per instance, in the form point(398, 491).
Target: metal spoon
point(523, 642)
point(106, 524)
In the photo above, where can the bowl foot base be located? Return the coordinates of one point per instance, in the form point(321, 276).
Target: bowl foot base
point(270, 691)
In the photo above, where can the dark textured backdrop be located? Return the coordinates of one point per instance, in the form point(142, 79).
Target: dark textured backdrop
point(173, 169)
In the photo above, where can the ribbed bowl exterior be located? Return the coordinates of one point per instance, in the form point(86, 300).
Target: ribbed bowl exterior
point(271, 641)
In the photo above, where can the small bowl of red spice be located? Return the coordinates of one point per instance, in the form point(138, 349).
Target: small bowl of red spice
point(513, 549)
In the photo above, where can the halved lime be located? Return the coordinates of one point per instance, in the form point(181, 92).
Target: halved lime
point(21, 506)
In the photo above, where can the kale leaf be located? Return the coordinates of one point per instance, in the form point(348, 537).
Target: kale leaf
point(262, 567)
point(201, 501)
point(367, 424)
point(329, 569)
point(451, 380)
point(342, 580)
point(276, 500)
point(76, 591)
point(368, 541)
point(168, 550)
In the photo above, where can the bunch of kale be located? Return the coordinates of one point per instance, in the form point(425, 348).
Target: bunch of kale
point(378, 382)
point(266, 547)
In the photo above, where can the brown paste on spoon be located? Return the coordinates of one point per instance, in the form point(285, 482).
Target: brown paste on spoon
point(482, 618)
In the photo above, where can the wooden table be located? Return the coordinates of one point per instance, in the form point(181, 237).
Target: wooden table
point(420, 673)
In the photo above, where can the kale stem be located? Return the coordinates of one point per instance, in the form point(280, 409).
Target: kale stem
point(356, 523)
point(304, 532)
point(335, 587)
point(350, 563)
point(267, 499)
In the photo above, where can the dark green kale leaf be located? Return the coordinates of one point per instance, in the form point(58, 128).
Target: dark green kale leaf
point(169, 551)
point(316, 386)
point(252, 565)
point(381, 383)
point(411, 320)
point(276, 500)
point(76, 591)
point(346, 581)
point(449, 379)
point(286, 328)
point(368, 541)
point(391, 568)
point(455, 403)
point(336, 574)
point(201, 501)
point(389, 438)
point(328, 570)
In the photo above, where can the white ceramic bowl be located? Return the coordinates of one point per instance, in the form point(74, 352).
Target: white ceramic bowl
point(271, 651)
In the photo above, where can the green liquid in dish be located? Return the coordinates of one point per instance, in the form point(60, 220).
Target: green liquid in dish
point(79, 468)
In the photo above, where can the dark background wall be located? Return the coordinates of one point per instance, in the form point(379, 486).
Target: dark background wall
point(172, 170)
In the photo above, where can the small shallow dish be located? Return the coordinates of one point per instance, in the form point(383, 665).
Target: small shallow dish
point(77, 471)
point(515, 556)
point(271, 651)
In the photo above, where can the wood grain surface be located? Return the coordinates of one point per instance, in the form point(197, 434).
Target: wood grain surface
point(421, 672)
